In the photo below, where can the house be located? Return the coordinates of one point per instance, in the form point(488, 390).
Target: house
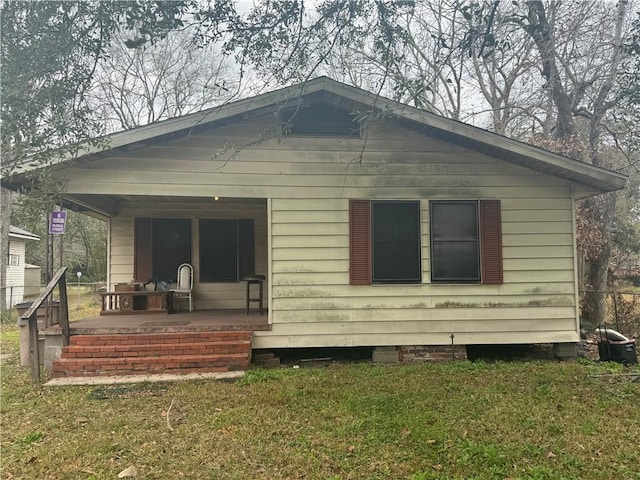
point(375, 223)
point(16, 266)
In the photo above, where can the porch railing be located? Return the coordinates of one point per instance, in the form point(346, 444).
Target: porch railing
point(31, 316)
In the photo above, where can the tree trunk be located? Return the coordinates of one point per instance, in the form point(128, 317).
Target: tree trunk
point(604, 209)
point(542, 35)
point(594, 302)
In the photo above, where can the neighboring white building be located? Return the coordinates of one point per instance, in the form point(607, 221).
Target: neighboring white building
point(16, 264)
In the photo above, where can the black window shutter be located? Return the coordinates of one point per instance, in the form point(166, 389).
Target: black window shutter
point(142, 250)
point(491, 241)
point(359, 242)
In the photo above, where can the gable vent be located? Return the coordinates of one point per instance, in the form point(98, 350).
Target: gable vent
point(320, 120)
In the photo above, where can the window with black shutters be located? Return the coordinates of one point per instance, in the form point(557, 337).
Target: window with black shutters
point(466, 241)
point(227, 252)
point(455, 251)
point(395, 246)
point(384, 242)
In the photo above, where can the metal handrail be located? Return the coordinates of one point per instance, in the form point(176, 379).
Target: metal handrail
point(31, 315)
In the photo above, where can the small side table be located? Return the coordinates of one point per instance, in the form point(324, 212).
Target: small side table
point(255, 280)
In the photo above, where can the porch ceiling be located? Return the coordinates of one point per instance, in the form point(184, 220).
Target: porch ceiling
point(110, 205)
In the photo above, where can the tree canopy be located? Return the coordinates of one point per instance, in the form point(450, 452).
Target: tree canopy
point(561, 75)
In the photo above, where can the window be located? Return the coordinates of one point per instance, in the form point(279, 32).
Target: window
point(385, 242)
point(227, 251)
point(321, 120)
point(454, 242)
point(466, 241)
point(160, 246)
point(13, 260)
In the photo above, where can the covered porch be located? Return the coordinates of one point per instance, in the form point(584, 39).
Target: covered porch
point(224, 239)
point(184, 321)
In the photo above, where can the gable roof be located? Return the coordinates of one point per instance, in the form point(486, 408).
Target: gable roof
point(15, 232)
point(595, 179)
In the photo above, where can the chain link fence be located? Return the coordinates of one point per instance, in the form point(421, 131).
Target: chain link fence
point(622, 312)
point(16, 294)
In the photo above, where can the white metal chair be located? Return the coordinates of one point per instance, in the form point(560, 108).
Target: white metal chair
point(184, 288)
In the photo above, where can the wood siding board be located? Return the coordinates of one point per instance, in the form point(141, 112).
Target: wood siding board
point(289, 229)
point(279, 338)
point(536, 239)
point(407, 302)
point(149, 186)
point(536, 227)
point(366, 327)
point(505, 314)
point(528, 264)
point(560, 251)
point(143, 264)
point(302, 253)
point(325, 241)
point(535, 216)
point(339, 280)
point(473, 292)
point(324, 178)
point(306, 204)
point(541, 276)
point(536, 204)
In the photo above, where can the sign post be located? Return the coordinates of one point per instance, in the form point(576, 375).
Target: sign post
point(57, 222)
point(79, 274)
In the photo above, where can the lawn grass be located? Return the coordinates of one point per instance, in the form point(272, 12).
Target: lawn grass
point(535, 420)
point(82, 303)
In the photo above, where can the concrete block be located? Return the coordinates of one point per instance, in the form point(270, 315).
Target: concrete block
point(52, 347)
point(25, 351)
point(565, 351)
point(385, 355)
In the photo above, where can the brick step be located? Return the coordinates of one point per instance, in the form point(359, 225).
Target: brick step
point(77, 367)
point(157, 338)
point(155, 349)
point(129, 372)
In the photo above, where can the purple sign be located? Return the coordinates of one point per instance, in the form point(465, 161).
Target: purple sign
point(57, 222)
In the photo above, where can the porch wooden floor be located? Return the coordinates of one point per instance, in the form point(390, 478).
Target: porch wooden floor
point(196, 321)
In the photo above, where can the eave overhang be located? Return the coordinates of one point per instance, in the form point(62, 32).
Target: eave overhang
point(587, 179)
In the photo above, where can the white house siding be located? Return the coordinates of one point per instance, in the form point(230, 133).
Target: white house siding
point(15, 273)
point(206, 295)
point(309, 182)
point(312, 298)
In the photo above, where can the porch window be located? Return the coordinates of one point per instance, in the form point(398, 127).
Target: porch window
point(385, 242)
point(466, 241)
point(227, 251)
point(160, 246)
